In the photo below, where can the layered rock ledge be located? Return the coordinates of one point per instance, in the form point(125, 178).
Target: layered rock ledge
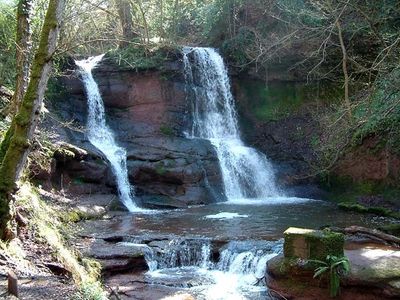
point(149, 115)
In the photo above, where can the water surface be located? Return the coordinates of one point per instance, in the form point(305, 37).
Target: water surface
point(232, 221)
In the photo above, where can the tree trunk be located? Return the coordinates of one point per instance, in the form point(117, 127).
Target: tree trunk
point(345, 72)
point(161, 32)
point(24, 45)
point(373, 232)
point(24, 123)
point(145, 25)
point(125, 17)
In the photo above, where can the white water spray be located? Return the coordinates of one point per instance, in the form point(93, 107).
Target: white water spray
point(101, 136)
point(246, 172)
point(238, 273)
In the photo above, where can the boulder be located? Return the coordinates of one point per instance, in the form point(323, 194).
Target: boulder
point(375, 266)
point(312, 244)
point(374, 269)
point(80, 171)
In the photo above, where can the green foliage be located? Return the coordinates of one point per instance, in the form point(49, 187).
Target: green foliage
point(139, 57)
point(302, 12)
point(377, 210)
point(181, 21)
point(280, 100)
point(380, 113)
point(7, 43)
point(160, 169)
point(335, 267)
point(234, 49)
point(393, 229)
point(90, 291)
point(166, 130)
point(216, 18)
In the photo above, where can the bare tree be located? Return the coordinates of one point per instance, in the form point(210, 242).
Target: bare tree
point(344, 68)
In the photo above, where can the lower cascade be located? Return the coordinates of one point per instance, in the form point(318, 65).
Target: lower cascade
point(236, 271)
point(101, 136)
point(246, 172)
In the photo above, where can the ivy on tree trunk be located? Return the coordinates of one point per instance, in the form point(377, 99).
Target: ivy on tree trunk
point(23, 50)
point(24, 45)
point(24, 123)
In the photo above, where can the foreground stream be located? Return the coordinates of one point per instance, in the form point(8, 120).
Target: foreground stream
point(217, 251)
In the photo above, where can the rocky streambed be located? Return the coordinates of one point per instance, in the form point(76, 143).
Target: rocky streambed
point(218, 251)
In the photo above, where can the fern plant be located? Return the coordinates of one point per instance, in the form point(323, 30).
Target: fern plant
point(337, 267)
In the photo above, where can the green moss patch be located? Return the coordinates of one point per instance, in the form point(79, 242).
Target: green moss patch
point(380, 211)
point(166, 130)
point(312, 244)
point(49, 229)
point(363, 197)
point(140, 57)
point(279, 100)
point(393, 229)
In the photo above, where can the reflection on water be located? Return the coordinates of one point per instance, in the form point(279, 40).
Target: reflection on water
point(263, 221)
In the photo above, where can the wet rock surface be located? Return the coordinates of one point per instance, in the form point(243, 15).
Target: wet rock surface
point(126, 260)
point(148, 113)
point(274, 119)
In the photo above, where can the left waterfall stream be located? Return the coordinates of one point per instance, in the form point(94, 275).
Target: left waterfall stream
point(101, 136)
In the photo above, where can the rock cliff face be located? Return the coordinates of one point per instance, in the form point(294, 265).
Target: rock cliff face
point(149, 113)
point(275, 120)
point(370, 162)
point(280, 118)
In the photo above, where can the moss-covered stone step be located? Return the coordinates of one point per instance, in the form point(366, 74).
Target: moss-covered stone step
point(312, 244)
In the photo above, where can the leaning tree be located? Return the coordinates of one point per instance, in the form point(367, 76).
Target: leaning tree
point(16, 144)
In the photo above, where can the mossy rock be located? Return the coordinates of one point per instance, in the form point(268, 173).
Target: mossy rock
point(82, 213)
point(377, 210)
point(141, 57)
point(116, 205)
point(92, 266)
point(66, 152)
point(393, 229)
point(166, 130)
point(312, 244)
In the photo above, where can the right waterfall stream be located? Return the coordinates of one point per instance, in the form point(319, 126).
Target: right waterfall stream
point(246, 172)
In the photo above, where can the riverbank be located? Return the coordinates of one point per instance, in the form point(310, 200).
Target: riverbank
point(42, 256)
point(374, 264)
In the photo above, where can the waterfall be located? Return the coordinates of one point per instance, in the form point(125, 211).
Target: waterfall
point(101, 136)
point(180, 253)
point(246, 172)
point(237, 273)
